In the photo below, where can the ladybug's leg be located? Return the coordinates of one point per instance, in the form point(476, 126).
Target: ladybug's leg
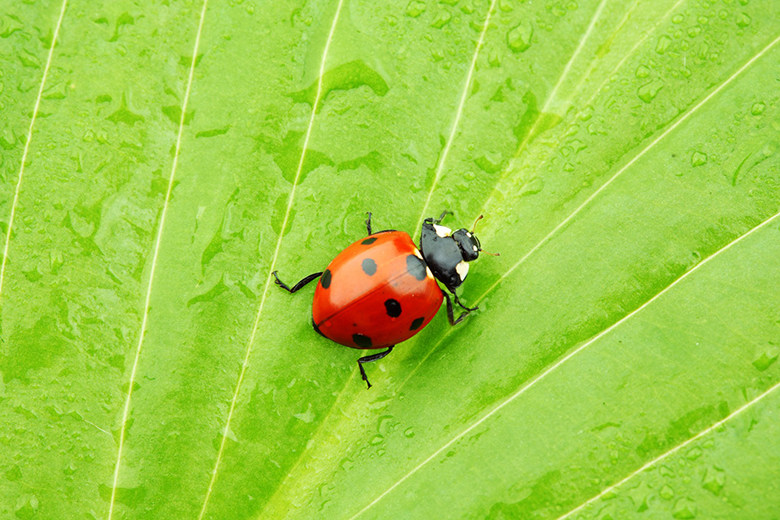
point(463, 306)
point(451, 314)
point(369, 359)
point(298, 285)
point(441, 217)
point(368, 223)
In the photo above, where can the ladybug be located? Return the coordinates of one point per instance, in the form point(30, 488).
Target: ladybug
point(382, 290)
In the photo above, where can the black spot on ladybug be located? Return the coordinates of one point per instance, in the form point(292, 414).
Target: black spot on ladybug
point(415, 324)
point(368, 241)
point(416, 267)
point(369, 266)
point(393, 308)
point(317, 329)
point(325, 280)
point(362, 341)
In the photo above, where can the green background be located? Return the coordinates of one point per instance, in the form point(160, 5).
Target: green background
point(624, 154)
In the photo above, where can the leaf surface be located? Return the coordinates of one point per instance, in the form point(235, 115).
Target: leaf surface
point(624, 359)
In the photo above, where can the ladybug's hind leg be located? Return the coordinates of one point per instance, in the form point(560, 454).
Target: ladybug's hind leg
point(369, 359)
point(368, 224)
point(298, 285)
point(451, 314)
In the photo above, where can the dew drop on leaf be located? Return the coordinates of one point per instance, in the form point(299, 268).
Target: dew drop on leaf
point(648, 91)
point(684, 509)
point(714, 480)
point(415, 8)
point(442, 19)
point(519, 38)
point(765, 360)
point(698, 159)
point(758, 108)
point(744, 20)
point(663, 43)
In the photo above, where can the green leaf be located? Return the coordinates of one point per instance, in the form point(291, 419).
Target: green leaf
point(160, 159)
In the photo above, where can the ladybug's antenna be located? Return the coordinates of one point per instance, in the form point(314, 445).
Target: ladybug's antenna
point(474, 227)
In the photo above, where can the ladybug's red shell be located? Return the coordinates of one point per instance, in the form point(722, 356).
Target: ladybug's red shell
point(376, 293)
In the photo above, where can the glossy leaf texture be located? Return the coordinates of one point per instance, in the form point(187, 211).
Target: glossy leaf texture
point(160, 158)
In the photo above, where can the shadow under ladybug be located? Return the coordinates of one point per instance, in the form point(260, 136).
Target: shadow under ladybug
point(382, 290)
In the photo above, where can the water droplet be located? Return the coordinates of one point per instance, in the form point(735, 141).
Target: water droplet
point(684, 509)
point(13, 474)
point(409, 433)
point(519, 38)
point(648, 91)
point(442, 19)
point(642, 71)
point(663, 43)
point(766, 359)
point(694, 453)
point(26, 507)
point(758, 108)
point(678, 18)
point(743, 20)
point(376, 439)
point(307, 416)
point(698, 159)
point(666, 492)
point(714, 480)
point(415, 8)
point(723, 14)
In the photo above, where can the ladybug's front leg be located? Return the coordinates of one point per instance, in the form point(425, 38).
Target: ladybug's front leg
point(369, 359)
point(451, 314)
point(298, 285)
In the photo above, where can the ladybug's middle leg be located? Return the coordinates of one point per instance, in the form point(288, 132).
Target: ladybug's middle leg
point(455, 296)
point(298, 285)
point(369, 359)
point(451, 314)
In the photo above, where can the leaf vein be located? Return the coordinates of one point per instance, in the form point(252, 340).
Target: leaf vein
point(158, 240)
point(37, 105)
point(268, 283)
point(674, 450)
point(458, 114)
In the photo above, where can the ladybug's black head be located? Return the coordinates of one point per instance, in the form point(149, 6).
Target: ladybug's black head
point(468, 243)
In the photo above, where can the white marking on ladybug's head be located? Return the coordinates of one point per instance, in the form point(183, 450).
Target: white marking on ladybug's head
point(474, 248)
point(463, 269)
point(442, 231)
point(417, 253)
